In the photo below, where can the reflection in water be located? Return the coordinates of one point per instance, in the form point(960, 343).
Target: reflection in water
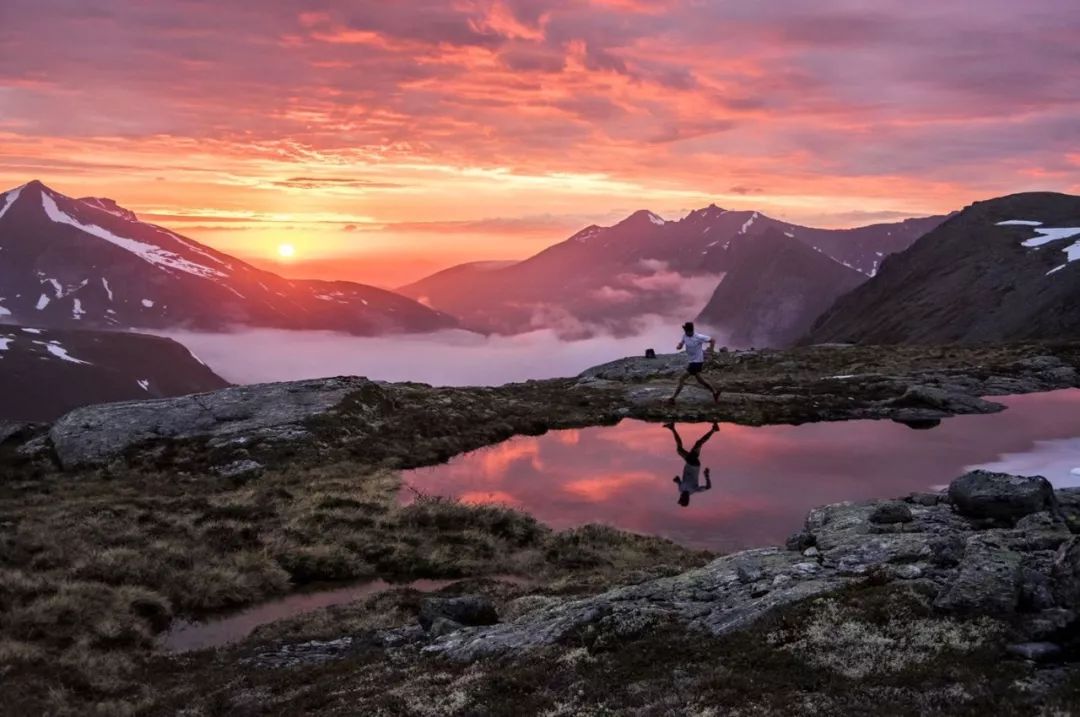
point(764, 479)
point(691, 475)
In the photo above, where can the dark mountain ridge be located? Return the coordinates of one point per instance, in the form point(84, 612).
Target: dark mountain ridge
point(1001, 270)
point(44, 373)
point(774, 290)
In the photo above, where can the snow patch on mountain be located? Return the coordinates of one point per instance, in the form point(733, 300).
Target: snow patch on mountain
point(147, 252)
point(57, 350)
point(42, 302)
point(144, 384)
point(105, 285)
point(3, 311)
point(8, 199)
point(1046, 236)
point(147, 303)
point(1019, 223)
point(748, 223)
point(656, 220)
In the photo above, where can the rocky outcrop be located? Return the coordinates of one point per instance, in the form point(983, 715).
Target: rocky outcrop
point(999, 496)
point(267, 412)
point(971, 570)
point(229, 431)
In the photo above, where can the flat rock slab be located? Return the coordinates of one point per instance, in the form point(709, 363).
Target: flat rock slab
point(273, 411)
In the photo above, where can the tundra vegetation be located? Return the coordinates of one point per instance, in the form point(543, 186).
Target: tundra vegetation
point(98, 559)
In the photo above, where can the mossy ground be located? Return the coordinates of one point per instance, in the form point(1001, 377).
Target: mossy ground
point(94, 564)
point(907, 661)
point(92, 569)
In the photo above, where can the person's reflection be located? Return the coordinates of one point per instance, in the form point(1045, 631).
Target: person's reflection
point(690, 482)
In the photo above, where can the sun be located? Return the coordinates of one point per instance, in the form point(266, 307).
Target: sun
point(286, 251)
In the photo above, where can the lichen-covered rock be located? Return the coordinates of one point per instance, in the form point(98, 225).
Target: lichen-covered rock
point(1000, 496)
point(988, 582)
point(1066, 573)
point(464, 610)
point(893, 511)
point(269, 412)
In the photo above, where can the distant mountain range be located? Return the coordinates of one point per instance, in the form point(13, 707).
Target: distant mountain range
point(91, 263)
point(1007, 269)
point(610, 278)
point(44, 373)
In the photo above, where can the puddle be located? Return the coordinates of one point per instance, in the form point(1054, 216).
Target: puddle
point(764, 479)
point(185, 636)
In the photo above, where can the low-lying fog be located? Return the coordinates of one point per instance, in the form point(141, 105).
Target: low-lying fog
point(446, 358)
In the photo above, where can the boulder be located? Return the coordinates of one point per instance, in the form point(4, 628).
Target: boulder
point(468, 610)
point(988, 582)
point(801, 541)
point(1000, 496)
point(275, 412)
point(889, 512)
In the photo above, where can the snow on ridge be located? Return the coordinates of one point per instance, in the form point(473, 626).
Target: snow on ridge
point(9, 200)
point(1019, 223)
point(656, 220)
point(191, 245)
point(1046, 236)
point(57, 350)
point(748, 223)
point(105, 283)
point(147, 252)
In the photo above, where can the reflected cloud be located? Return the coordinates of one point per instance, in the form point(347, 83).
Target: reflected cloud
point(764, 479)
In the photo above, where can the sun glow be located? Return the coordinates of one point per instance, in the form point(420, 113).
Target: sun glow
point(286, 251)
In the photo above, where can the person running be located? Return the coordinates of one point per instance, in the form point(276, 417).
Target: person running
point(690, 481)
point(694, 343)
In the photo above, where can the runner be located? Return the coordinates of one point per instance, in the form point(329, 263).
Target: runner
point(694, 343)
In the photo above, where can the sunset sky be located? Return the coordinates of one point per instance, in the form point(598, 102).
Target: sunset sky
point(385, 139)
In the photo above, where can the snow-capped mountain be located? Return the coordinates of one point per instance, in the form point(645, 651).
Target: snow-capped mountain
point(90, 262)
point(1006, 269)
point(44, 373)
point(612, 277)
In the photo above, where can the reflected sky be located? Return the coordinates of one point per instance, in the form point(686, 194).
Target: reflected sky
point(764, 480)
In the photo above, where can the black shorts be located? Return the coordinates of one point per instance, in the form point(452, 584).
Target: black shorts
point(695, 368)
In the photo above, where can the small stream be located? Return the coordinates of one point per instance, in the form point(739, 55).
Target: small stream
point(187, 636)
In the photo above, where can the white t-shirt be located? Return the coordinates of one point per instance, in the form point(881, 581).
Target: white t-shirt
point(695, 347)
point(690, 482)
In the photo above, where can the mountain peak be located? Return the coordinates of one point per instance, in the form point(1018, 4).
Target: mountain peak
point(109, 205)
point(643, 216)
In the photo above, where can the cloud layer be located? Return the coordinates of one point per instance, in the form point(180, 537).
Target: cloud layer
point(310, 117)
point(448, 358)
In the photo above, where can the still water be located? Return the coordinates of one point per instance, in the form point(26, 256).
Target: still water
point(763, 480)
